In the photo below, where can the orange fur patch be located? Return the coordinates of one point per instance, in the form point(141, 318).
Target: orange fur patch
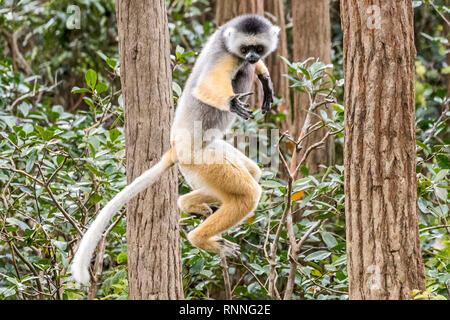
point(215, 88)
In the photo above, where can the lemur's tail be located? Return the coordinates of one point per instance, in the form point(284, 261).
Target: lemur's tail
point(82, 259)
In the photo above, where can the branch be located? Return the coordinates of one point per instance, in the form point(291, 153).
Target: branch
point(226, 276)
point(437, 10)
point(293, 257)
point(435, 227)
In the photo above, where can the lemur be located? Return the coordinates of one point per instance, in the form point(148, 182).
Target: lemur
point(214, 95)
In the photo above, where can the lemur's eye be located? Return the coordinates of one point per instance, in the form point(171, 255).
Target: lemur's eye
point(259, 49)
point(244, 50)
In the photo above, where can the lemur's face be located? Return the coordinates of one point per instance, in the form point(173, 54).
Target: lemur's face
point(251, 47)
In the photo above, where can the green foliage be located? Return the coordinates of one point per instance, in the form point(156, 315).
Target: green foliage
point(56, 171)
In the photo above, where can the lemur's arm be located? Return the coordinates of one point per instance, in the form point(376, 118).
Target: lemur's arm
point(215, 88)
point(264, 77)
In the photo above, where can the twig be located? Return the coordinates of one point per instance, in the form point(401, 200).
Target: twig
point(226, 276)
point(58, 205)
point(436, 124)
point(295, 250)
point(14, 259)
point(273, 252)
point(254, 276)
point(30, 266)
point(23, 173)
point(17, 52)
point(437, 10)
point(435, 227)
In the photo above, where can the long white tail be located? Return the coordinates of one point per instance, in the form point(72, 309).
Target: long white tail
point(82, 259)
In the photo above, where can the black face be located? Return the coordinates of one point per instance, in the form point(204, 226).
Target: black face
point(252, 53)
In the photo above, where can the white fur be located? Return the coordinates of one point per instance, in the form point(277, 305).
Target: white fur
point(82, 259)
point(234, 40)
point(275, 30)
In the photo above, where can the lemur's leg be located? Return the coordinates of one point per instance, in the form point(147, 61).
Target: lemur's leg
point(239, 194)
point(198, 202)
point(249, 164)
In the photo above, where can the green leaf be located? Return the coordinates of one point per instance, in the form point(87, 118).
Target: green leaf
point(9, 120)
point(80, 90)
point(95, 198)
point(441, 193)
point(318, 255)
point(441, 175)
point(111, 62)
point(270, 184)
point(91, 78)
point(122, 258)
point(422, 204)
point(22, 225)
point(176, 88)
point(198, 265)
point(24, 108)
point(89, 102)
point(101, 87)
point(30, 162)
point(93, 169)
point(423, 146)
point(304, 170)
point(329, 240)
point(253, 287)
point(61, 245)
point(114, 134)
point(443, 161)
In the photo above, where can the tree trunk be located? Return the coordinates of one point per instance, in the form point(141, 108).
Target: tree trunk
point(276, 66)
point(312, 38)
point(383, 250)
point(229, 9)
point(154, 255)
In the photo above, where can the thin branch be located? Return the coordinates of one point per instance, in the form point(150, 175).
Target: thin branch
point(23, 173)
point(437, 10)
point(58, 205)
point(435, 227)
point(293, 257)
point(30, 266)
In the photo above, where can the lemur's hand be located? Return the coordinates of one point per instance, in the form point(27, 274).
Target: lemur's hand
point(268, 92)
point(239, 107)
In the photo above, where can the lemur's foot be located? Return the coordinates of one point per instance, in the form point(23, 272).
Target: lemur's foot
point(229, 248)
point(239, 107)
point(201, 210)
point(205, 210)
point(214, 208)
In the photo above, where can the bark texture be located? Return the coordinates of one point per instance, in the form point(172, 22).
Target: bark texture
point(383, 250)
point(154, 255)
point(229, 9)
point(312, 38)
point(276, 66)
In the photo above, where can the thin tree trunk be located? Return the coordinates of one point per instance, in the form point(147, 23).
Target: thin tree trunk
point(229, 9)
point(276, 66)
point(154, 255)
point(312, 38)
point(383, 250)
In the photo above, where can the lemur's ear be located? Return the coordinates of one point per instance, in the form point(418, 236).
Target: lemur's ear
point(275, 30)
point(229, 32)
